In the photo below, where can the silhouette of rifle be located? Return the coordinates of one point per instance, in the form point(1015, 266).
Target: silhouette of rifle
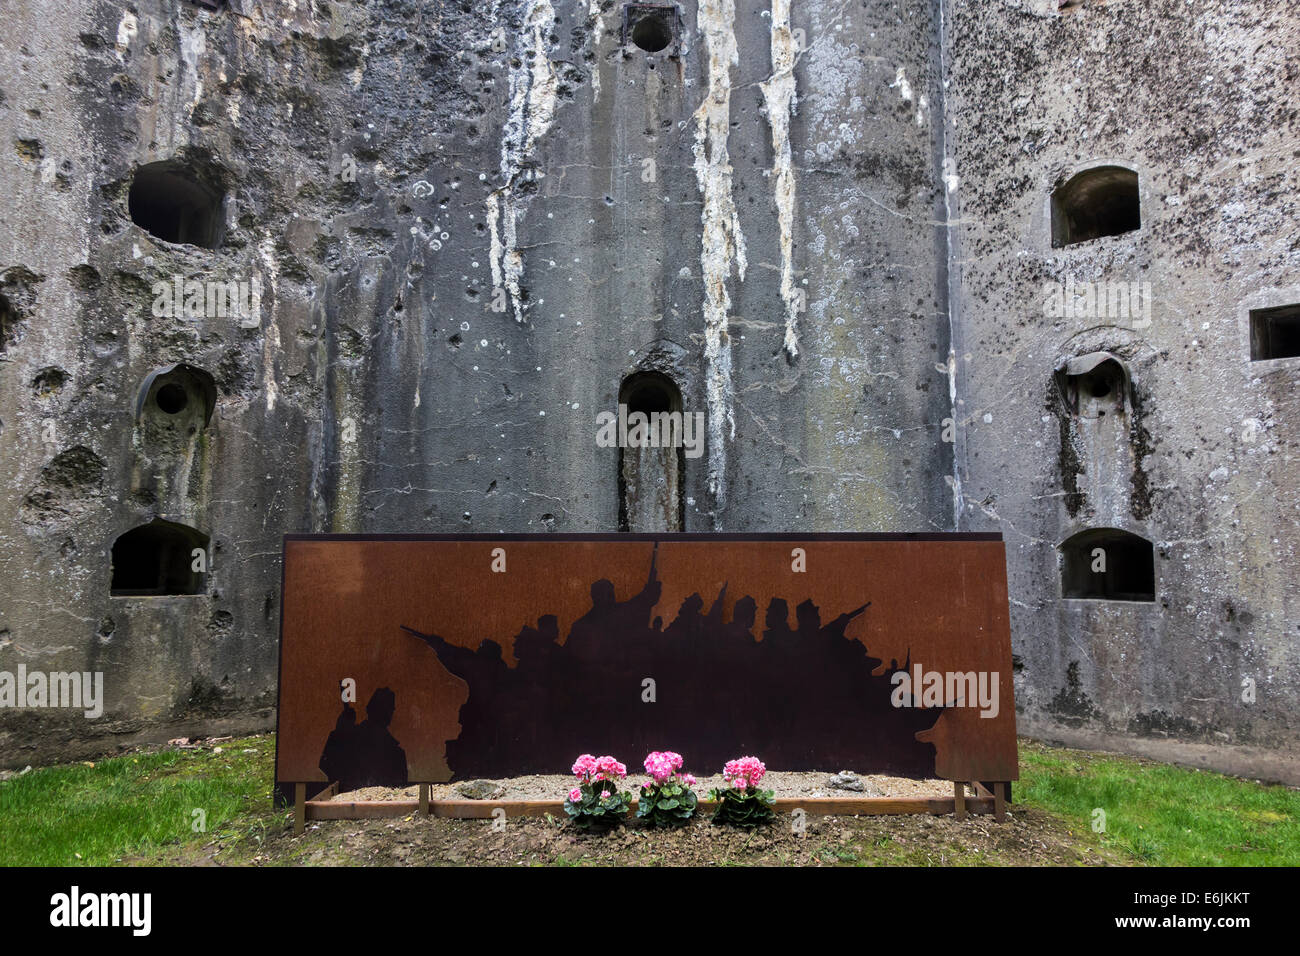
point(452, 656)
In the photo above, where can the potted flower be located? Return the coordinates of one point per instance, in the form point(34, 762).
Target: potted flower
point(596, 803)
point(741, 803)
point(666, 799)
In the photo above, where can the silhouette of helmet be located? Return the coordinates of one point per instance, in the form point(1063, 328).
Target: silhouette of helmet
point(382, 706)
point(744, 612)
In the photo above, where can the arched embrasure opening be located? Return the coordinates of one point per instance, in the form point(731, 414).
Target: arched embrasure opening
point(157, 559)
point(1102, 201)
point(1108, 564)
point(1094, 385)
point(652, 462)
point(180, 393)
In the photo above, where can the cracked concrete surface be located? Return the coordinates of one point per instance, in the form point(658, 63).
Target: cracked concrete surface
point(826, 221)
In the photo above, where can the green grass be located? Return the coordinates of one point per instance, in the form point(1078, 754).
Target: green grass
point(123, 806)
point(140, 809)
point(1164, 815)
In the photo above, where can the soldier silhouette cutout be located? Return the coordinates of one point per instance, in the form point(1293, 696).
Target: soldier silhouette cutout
point(804, 699)
point(365, 754)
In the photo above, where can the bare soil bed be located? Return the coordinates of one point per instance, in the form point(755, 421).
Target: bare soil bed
point(1029, 838)
point(555, 787)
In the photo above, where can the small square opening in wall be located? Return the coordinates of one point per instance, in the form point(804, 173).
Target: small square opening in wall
point(1097, 202)
point(651, 26)
point(1275, 333)
point(1108, 564)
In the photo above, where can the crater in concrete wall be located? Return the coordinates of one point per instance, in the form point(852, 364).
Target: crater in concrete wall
point(68, 485)
point(17, 299)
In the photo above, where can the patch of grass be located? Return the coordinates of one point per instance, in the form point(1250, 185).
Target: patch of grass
point(96, 814)
point(1164, 815)
point(138, 809)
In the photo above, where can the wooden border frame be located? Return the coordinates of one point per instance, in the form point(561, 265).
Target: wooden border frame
point(322, 808)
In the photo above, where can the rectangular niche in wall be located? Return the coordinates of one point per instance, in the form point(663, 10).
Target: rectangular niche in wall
point(1108, 564)
point(1275, 333)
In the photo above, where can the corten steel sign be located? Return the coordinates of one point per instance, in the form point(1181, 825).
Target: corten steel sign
point(497, 655)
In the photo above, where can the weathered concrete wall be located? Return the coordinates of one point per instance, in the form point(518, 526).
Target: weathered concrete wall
point(536, 213)
point(1202, 102)
point(471, 222)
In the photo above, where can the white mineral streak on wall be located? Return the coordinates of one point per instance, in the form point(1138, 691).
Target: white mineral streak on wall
point(722, 240)
point(127, 30)
point(900, 83)
point(778, 96)
point(957, 504)
point(597, 31)
point(193, 46)
point(533, 85)
point(271, 342)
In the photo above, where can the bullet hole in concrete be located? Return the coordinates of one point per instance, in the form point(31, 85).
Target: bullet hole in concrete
point(1275, 333)
point(9, 320)
point(85, 278)
point(651, 26)
point(1108, 564)
point(208, 4)
point(169, 201)
point(453, 343)
point(107, 628)
point(158, 559)
point(651, 479)
point(1102, 201)
point(49, 381)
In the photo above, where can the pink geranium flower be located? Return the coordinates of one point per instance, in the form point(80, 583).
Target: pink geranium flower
point(663, 765)
point(584, 767)
point(744, 772)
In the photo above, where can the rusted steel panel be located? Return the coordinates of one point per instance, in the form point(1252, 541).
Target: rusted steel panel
point(462, 671)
